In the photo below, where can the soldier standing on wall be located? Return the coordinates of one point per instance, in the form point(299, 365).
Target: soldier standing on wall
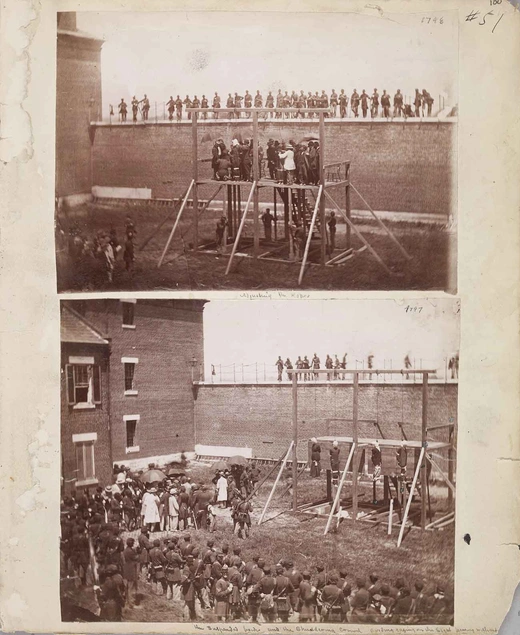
point(216, 105)
point(354, 103)
point(279, 367)
point(364, 103)
point(122, 110)
point(135, 108)
point(385, 104)
point(178, 107)
point(204, 104)
point(170, 104)
point(374, 110)
point(145, 107)
point(398, 103)
point(343, 102)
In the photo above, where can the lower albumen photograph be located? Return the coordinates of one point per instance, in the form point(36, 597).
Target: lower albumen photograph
point(262, 461)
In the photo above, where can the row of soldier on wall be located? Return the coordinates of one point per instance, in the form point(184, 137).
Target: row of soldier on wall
point(336, 104)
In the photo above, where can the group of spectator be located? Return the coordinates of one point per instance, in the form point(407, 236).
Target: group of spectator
point(335, 104)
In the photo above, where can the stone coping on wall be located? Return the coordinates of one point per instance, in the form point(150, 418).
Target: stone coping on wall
point(334, 382)
point(249, 121)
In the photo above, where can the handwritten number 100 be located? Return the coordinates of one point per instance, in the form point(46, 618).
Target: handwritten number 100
point(495, 2)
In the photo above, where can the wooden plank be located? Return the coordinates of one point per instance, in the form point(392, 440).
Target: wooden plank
point(256, 177)
point(280, 472)
point(409, 501)
point(385, 227)
point(339, 256)
point(170, 237)
point(424, 439)
point(390, 516)
point(359, 234)
point(340, 485)
point(445, 478)
point(440, 520)
point(309, 236)
point(241, 227)
point(195, 149)
point(321, 158)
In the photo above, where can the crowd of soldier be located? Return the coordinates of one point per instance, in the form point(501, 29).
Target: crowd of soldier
point(336, 105)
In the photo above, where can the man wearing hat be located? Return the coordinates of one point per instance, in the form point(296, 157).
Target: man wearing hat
point(235, 599)
point(282, 591)
point(189, 586)
point(223, 591)
point(332, 600)
point(111, 596)
point(359, 603)
point(307, 598)
point(157, 563)
point(295, 578)
point(253, 594)
point(144, 547)
point(289, 167)
point(334, 462)
point(315, 458)
point(265, 588)
point(130, 569)
point(172, 571)
point(150, 509)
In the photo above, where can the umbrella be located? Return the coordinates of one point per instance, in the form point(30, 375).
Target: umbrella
point(309, 138)
point(176, 471)
point(153, 476)
point(237, 460)
point(220, 465)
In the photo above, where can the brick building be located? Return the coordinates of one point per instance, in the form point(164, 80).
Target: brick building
point(156, 350)
point(85, 403)
point(78, 102)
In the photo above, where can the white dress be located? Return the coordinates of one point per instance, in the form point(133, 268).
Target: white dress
point(222, 486)
point(150, 508)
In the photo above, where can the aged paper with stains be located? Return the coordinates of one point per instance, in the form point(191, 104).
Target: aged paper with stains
point(486, 217)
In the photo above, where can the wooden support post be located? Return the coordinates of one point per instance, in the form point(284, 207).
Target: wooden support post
point(409, 501)
point(239, 232)
point(386, 489)
point(170, 237)
point(390, 516)
point(309, 235)
point(230, 209)
point(450, 467)
point(256, 177)
point(238, 210)
point(329, 485)
point(348, 210)
point(355, 415)
point(321, 159)
point(295, 439)
point(337, 498)
point(280, 472)
point(195, 197)
point(424, 441)
point(275, 217)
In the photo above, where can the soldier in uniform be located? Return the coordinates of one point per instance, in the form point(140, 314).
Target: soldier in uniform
point(258, 100)
point(216, 105)
point(170, 105)
point(267, 220)
point(359, 603)
point(306, 366)
point(196, 102)
point(364, 103)
point(135, 108)
point(187, 103)
point(332, 600)
point(279, 367)
point(173, 572)
point(329, 365)
point(315, 365)
point(343, 103)
point(144, 545)
point(252, 591)
point(398, 103)
point(354, 103)
point(288, 365)
point(279, 103)
point(145, 107)
point(334, 103)
point(122, 110)
point(178, 108)
point(282, 590)
point(204, 104)
point(248, 103)
point(265, 588)
point(385, 104)
point(269, 103)
point(295, 578)
point(332, 231)
point(417, 102)
point(307, 599)
point(111, 595)
point(157, 562)
point(374, 109)
point(130, 569)
point(238, 104)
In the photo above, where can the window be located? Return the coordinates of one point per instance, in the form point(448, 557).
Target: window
point(128, 314)
point(83, 385)
point(129, 376)
point(86, 465)
point(131, 432)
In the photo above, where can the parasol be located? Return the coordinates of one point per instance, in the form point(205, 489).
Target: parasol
point(153, 476)
point(237, 460)
point(220, 465)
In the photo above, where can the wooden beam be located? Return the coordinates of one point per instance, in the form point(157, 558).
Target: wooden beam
point(282, 467)
point(385, 227)
point(170, 237)
point(250, 110)
point(295, 440)
point(321, 157)
point(340, 256)
point(424, 441)
point(448, 482)
point(390, 516)
point(309, 236)
point(239, 232)
point(359, 234)
point(256, 177)
point(337, 497)
point(433, 524)
point(355, 431)
point(409, 501)
point(195, 150)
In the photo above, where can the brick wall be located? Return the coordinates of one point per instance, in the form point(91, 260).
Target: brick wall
point(396, 166)
point(74, 421)
point(260, 416)
point(167, 334)
point(78, 82)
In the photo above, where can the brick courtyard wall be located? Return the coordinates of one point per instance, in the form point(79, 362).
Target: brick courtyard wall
point(167, 335)
point(260, 416)
point(81, 421)
point(78, 100)
point(397, 166)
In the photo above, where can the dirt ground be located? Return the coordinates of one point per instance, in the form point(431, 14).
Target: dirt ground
point(184, 269)
point(359, 547)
